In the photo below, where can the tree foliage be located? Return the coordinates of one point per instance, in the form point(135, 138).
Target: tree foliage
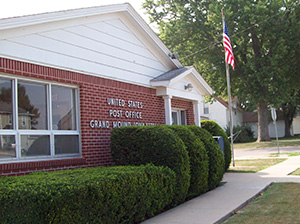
point(265, 40)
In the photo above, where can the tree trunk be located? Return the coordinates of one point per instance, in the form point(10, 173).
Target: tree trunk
point(263, 122)
point(287, 128)
point(289, 112)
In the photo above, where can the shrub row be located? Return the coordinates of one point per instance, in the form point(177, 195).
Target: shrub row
point(198, 160)
point(215, 129)
point(90, 195)
point(153, 144)
point(190, 151)
point(215, 155)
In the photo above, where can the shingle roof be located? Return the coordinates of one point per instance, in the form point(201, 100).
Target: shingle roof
point(226, 104)
point(171, 74)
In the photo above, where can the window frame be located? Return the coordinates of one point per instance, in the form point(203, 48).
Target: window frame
point(49, 131)
point(178, 112)
point(205, 108)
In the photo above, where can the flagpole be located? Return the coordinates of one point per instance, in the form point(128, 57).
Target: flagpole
point(229, 102)
point(230, 111)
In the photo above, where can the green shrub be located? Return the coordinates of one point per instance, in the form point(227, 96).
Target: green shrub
point(90, 195)
point(215, 129)
point(215, 155)
point(198, 160)
point(245, 133)
point(153, 144)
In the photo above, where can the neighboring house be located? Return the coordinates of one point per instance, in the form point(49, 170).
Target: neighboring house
point(296, 125)
point(250, 118)
point(85, 72)
point(219, 111)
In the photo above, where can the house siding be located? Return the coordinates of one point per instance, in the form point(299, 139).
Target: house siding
point(101, 46)
point(218, 113)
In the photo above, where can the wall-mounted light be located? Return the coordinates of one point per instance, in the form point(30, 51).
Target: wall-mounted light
point(188, 87)
point(173, 56)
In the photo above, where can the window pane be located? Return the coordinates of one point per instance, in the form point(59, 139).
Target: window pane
point(174, 118)
point(35, 145)
point(32, 107)
point(205, 108)
point(66, 144)
point(6, 104)
point(7, 146)
point(63, 108)
point(183, 117)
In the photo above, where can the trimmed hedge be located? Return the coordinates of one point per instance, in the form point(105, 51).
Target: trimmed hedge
point(90, 195)
point(153, 144)
point(215, 155)
point(198, 160)
point(215, 129)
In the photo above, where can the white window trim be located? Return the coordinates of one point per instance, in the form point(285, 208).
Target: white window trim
point(18, 132)
point(178, 111)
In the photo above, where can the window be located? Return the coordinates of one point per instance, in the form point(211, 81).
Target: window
point(37, 120)
point(32, 107)
point(6, 106)
point(178, 117)
point(205, 108)
point(63, 108)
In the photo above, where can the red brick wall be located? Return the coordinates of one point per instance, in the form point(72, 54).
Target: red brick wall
point(93, 91)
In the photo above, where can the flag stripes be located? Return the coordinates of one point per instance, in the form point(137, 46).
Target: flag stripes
point(228, 49)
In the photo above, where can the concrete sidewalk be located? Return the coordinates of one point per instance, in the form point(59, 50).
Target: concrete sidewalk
point(218, 204)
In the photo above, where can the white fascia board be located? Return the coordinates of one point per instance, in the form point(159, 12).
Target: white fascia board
point(184, 95)
point(160, 83)
point(165, 91)
point(15, 22)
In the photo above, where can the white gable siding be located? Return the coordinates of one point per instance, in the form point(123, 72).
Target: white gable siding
point(177, 89)
point(106, 48)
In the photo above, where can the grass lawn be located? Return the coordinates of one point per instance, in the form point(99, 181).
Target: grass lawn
point(254, 165)
point(296, 172)
point(283, 142)
point(291, 154)
point(280, 203)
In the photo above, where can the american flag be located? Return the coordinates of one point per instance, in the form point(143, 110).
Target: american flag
point(228, 49)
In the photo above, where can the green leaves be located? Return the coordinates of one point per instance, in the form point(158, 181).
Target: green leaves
point(264, 35)
point(89, 195)
point(153, 144)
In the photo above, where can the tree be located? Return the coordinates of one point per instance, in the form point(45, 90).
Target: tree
point(261, 34)
point(290, 109)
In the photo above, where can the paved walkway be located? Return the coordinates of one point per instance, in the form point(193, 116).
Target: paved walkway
point(216, 205)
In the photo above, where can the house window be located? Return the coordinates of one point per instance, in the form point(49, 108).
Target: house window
point(38, 120)
point(205, 108)
point(32, 106)
point(178, 117)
